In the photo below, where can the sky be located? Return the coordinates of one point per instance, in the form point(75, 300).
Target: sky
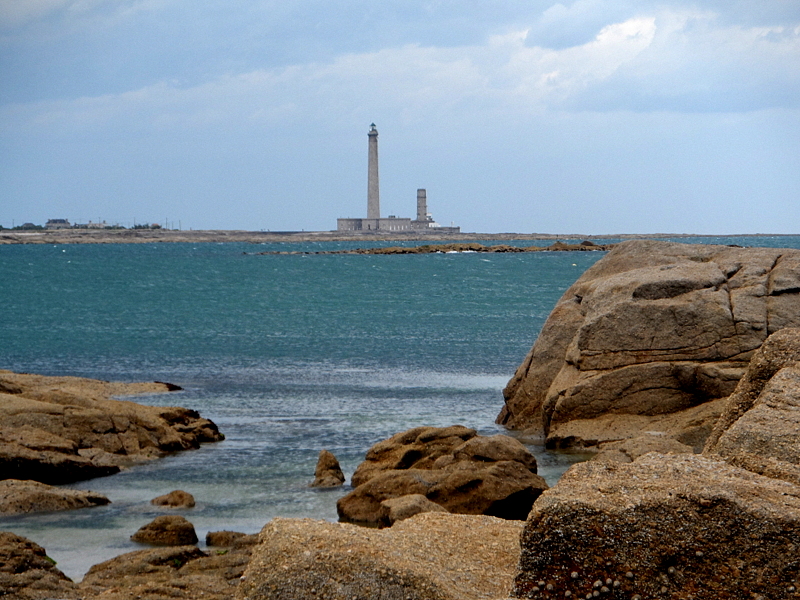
point(585, 116)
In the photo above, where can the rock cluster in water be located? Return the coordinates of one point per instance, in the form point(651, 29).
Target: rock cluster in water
point(695, 494)
point(452, 467)
point(64, 429)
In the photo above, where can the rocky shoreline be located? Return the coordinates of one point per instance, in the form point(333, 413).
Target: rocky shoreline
point(149, 236)
point(59, 430)
point(139, 236)
point(679, 365)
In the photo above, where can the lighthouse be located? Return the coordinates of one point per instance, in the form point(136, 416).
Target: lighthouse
point(373, 186)
point(374, 223)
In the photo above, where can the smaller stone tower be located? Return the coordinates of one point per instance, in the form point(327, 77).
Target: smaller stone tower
point(422, 205)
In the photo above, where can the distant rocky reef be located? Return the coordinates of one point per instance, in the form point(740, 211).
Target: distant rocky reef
point(458, 247)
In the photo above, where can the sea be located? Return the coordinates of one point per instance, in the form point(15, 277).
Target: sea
point(288, 354)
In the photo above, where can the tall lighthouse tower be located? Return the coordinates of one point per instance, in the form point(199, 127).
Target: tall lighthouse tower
point(373, 187)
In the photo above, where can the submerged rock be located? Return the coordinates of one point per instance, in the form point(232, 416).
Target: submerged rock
point(31, 496)
point(451, 466)
point(431, 556)
point(664, 526)
point(328, 473)
point(175, 499)
point(652, 331)
point(166, 530)
point(64, 429)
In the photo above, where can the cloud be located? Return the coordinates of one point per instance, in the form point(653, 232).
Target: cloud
point(18, 13)
point(672, 60)
point(14, 13)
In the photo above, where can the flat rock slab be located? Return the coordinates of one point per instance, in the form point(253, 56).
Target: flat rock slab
point(65, 429)
point(431, 556)
point(664, 526)
point(31, 496)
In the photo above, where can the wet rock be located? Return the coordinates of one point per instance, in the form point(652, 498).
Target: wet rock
point(175, 499)
point(27, 572)
point(653, 329)
point(328, 473)
point(31, 496)
point(451, 466)
point(166, 530)
point(63, 429)
point(431, 556)
point(663, 526)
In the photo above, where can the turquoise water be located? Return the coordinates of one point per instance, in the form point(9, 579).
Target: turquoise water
point(288, 354)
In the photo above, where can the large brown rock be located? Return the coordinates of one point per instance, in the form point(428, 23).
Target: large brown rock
point(451, 466)
point(166, 530)
point(665, 526)
point(65, 429)
point(328, 473)
point(26, 572)
point(652, 329)
point(432, 556)
point(759, 429)
point(417, 448)
point(27, 496)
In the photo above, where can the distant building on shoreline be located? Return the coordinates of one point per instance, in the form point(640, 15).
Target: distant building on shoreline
point(374, 222)
point(57, 224)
